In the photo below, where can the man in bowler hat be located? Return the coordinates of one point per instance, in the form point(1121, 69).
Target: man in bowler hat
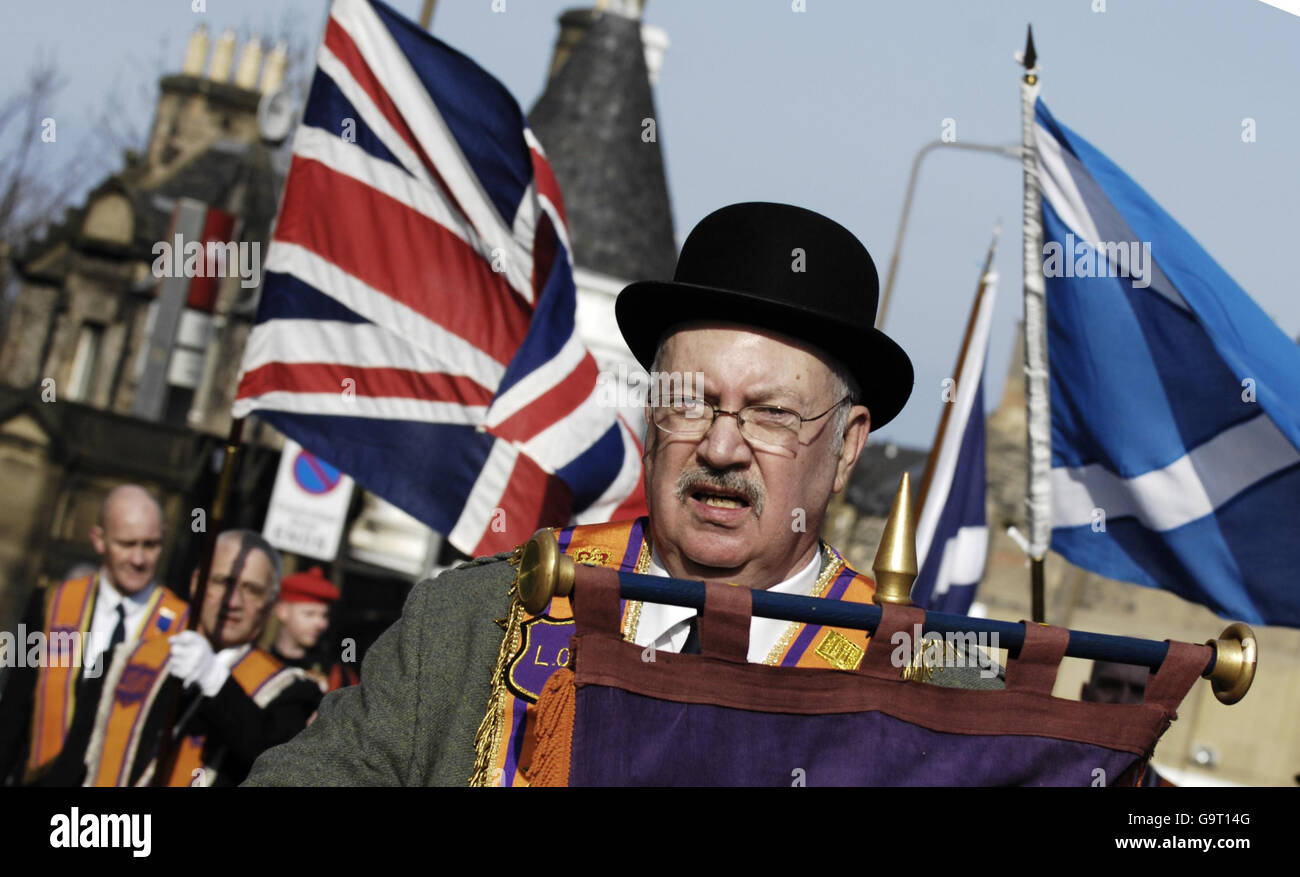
point(774, 306)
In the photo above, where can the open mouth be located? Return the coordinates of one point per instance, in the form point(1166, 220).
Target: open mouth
point(721, 499)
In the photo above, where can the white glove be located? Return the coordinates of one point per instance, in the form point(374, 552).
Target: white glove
point(194, 662)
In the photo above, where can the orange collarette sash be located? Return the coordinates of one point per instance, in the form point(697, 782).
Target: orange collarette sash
point(69, 612)
point(69, 608)
point(535, 646)
point(136, 682)
point(254, 673)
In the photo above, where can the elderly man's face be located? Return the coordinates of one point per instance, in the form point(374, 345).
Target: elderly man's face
point(723, 509)
point(238, 598)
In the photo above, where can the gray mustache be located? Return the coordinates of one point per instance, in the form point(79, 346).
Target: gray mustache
point(688, 482)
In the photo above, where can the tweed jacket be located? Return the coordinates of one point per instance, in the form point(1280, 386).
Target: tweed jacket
point(424, 689)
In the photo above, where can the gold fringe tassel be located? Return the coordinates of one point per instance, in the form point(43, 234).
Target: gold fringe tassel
point(487, 740)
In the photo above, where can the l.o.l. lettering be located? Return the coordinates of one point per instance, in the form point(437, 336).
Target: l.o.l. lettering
point(558, 657)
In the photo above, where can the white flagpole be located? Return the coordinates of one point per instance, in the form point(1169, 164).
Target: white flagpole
point(1038, 499)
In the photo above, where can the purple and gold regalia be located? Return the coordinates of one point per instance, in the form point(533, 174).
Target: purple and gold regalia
point(716, 719)
point(536, 646)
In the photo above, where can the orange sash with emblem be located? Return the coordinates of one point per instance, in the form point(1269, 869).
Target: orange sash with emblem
point(69, 611)
point(136, 683)
point(535, 646)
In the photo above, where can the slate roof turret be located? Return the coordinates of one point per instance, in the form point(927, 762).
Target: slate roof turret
point(590, 120)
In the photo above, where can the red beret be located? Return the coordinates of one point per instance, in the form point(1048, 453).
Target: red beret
point(308, 587)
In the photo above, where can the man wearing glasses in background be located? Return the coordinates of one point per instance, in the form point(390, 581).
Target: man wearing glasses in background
point(774, 306)
point(237, 699)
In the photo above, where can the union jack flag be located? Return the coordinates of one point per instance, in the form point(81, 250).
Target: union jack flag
point(416, 326)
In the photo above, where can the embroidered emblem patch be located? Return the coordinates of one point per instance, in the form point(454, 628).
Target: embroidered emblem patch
point(134, 684)
point(839, 651)
point(63, 646)
point(544, 648)
point(593, 556)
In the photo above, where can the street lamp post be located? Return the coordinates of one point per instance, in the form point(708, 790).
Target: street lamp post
point(1011, 151)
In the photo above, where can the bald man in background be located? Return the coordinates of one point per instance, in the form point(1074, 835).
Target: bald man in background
point(47, 711)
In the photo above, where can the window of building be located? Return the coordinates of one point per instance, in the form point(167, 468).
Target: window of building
point(85, 362)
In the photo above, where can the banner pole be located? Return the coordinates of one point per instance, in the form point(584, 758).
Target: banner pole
point(167, 751)
point(1038, 420)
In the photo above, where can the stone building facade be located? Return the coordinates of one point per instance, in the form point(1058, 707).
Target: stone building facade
point(83, 300)
point(80, 304)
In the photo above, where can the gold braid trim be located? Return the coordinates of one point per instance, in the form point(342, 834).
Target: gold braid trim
point(834, 565)
point(633, 619)
point(488, 737)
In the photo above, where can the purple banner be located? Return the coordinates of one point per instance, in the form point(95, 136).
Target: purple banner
point(625, 739)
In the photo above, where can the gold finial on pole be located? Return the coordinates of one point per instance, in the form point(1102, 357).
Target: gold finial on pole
point(895, 564)
point(544, 571)
point(1236, 654)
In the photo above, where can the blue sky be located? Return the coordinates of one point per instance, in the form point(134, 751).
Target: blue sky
point(826, 108)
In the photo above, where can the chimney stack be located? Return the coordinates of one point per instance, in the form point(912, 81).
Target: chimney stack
point(273, 71)
point(196, 52)
point(223, 58)
point(250, 61)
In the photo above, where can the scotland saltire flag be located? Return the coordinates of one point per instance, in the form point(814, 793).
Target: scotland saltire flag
point(1175, 400)
point(416, 327)
point(952, 536)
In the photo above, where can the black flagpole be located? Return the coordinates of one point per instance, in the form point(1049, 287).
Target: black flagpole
point(167, 751)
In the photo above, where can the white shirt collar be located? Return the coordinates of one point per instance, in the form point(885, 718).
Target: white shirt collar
point(104, 618)
point(665, 627)
point(108, 597)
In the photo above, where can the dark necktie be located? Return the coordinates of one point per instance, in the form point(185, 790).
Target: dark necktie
point(692, 646)
point(119, 632)
point(69, 768)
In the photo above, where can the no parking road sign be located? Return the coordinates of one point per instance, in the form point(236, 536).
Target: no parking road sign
point(309, 505)
point(314, 475)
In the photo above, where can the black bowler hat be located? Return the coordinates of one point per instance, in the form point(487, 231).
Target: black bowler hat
point(785, 269)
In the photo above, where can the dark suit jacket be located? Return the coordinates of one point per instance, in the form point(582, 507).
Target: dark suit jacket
point(235, 729)
point(16, 703)
point(424, 690)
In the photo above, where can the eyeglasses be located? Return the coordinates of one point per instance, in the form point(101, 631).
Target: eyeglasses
point(255, 594)
point(767, 426)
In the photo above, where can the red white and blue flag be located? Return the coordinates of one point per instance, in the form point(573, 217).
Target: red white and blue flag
point(416, 326)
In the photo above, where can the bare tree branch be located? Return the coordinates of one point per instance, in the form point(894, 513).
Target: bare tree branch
point(33, 189)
